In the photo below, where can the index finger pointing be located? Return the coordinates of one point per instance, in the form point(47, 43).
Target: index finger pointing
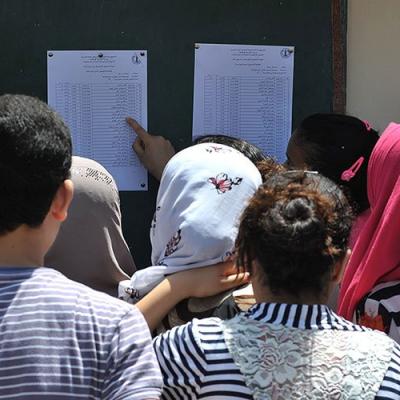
point(139, 130)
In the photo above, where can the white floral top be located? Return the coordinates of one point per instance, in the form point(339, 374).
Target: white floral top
point(212, 359)
point(279, 362)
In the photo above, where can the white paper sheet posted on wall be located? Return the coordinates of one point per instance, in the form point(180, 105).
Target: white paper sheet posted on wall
point(245, 91)
point(94, 91)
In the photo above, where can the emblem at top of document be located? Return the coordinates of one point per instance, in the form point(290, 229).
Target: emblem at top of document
point(136, 59)
point(287, 51)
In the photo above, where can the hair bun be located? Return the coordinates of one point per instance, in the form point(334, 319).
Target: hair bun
point(304, 228)
point(297, 210)
point(295, 227)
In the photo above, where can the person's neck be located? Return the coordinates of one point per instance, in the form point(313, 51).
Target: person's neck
point(263, 294)
point(21, 248)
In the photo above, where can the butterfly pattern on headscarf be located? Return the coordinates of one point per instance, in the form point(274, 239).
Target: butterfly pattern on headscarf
point(185, 182)
point(224, 184)
point(172, 245)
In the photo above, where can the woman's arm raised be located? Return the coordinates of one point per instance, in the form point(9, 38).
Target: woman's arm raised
point(198, 282)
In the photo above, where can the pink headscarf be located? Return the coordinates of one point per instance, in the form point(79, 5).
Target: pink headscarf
point(376, 255)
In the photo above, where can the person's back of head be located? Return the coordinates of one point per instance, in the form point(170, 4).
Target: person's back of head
point(295, 228)
point(90, 247)
point(338, 146)
point(202, 193)
point(35, 158)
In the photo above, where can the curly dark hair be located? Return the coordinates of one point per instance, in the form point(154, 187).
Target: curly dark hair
point(296, 227)
point(269, 167)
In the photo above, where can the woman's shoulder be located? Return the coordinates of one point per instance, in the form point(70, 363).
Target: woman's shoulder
point(197, 331)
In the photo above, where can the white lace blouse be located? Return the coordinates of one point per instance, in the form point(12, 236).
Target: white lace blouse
point(278, 351)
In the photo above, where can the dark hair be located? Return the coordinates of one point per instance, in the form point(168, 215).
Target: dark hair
point(269, 167)
point(249, 150)
point(331, 144)
point(296, 227)
point(35, 158)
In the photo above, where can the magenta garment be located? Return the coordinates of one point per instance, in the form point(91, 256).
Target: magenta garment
point(357, 227)
point(376, 255)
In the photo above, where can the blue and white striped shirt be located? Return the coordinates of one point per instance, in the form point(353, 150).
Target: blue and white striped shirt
point(61, 340)
point(196, 364)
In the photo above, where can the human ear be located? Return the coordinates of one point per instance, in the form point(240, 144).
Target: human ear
point(62, 200)
point(339, 267)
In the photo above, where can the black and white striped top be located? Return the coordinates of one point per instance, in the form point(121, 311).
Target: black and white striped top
point(61, 340)
point(196, 363)
point(380, 309)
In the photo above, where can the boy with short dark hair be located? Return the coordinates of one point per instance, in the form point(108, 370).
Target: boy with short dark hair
point(58, 339)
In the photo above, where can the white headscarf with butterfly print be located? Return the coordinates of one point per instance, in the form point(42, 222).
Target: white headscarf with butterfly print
point(203, 191)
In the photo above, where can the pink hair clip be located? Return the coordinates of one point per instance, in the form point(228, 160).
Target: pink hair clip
point(351, 172)
point(367, 125)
